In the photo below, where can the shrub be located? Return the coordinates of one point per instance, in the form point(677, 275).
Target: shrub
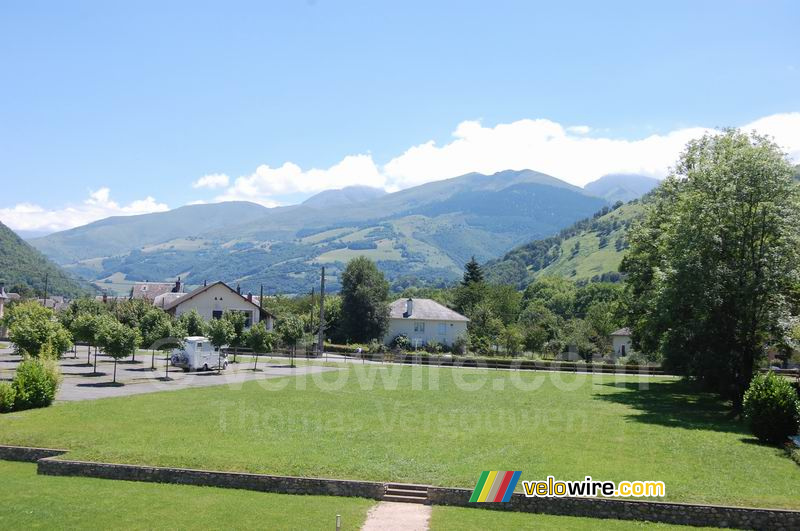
point(772, 408)
point(433, 347)
point(401, 342)
point(376, 347)
point(36, 383)
point(7, 395)
point(459, 346)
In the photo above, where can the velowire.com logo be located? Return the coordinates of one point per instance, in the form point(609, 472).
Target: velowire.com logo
point(495, 486)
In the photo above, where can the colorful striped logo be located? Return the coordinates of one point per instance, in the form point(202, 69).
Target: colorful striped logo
point(494, 486)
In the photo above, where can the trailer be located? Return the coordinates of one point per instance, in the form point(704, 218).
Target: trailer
point(198, 354)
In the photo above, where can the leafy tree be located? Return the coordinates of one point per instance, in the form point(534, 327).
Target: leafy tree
point(484, 328)
point(365, 312)
point(238, 320)
point(472, 273)
point(259, 340)
point(511, 336)
point(119, 341)
point(505, 302)
point(220, 332)
point(711, 267)
point(290, 328)
point(539, 326)
point(595, 292)
point(156, 329)
point(468, 297)
point(31, 327)
point(602, 317)
point(83, 330)
point(193, 323)
point(555, 293)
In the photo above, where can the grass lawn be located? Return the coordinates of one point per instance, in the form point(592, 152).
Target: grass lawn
point(420, 424)
point(463, 519)
point(34, 501)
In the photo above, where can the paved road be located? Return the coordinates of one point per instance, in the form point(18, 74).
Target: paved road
point(133, 378)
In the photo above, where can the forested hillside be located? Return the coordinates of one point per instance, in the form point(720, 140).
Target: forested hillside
point(22, 265)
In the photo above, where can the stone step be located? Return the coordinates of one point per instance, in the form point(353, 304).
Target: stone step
point(407, 492)
point(404, 499)
point(407, 486)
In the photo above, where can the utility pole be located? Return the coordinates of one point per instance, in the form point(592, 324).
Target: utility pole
point(44, 303)
point(321, 341)
point(311, 314)
point(261, 300)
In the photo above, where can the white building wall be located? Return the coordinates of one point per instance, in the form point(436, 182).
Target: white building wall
point(617, 342)
point(218, 298)
point(444, 332)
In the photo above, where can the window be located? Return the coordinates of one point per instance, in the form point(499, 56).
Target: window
point(442, 329)
point(419, 326)
point(216, 314)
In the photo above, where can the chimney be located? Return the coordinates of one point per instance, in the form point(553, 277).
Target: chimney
point(3, 290)
point(205, 283)
point(250, 296)
point(177, 288)
point(409, 307)
point(105, 297)
point(238, 289)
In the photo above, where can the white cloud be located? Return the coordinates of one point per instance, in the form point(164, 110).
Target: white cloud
point(266, 183)
point(540, 144)
point(99, 205)
point(213, 180)
point(579, 129)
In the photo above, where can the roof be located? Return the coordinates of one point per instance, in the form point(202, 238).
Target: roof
point(202, 289)
point(622, 332)
point(151, 290)
point(427, 309)
point(166, 299)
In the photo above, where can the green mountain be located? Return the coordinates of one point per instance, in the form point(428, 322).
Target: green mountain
point(21, 264)
point(421, 234)
point(350, 195)
point(589, 250)
point(621, 187)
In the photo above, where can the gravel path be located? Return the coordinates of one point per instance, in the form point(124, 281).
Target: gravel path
point(393, 516)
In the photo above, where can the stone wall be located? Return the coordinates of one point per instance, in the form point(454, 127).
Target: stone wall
point(27, 454)
point(672, 513)
point(234, 480)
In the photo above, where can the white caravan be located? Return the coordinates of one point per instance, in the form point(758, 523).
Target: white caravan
point(198, 354)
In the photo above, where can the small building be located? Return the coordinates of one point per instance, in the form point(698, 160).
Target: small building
point(621, 342)
point(424, 321)
point(212, 300)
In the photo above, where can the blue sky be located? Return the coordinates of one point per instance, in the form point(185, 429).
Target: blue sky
point(139, 100)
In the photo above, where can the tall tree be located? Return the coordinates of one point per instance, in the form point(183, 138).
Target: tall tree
point(472, 272)
point(238, 321)
point(290, 329)
point(260, 341)
point(365, 311)
point(711, 268)
point(193, 323)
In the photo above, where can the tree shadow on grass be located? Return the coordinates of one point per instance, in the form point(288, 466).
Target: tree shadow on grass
point(84, 364)
point(102, 384)
point(676, 404)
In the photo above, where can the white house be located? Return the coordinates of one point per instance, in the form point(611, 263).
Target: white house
point(424, 321)
point(621, 342)
point(212, 300)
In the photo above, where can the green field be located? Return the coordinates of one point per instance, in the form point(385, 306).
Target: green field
point(48, 502)
point(418, 424)
point(463, 519)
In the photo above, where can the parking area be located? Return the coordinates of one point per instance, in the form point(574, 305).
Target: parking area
point(81, 382)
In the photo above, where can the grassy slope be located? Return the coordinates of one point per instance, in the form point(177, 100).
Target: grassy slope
point(84, 503)
point(591, 259)
point(402, 430)
point(22, 264)
point(558, 255)
point(463, 519)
